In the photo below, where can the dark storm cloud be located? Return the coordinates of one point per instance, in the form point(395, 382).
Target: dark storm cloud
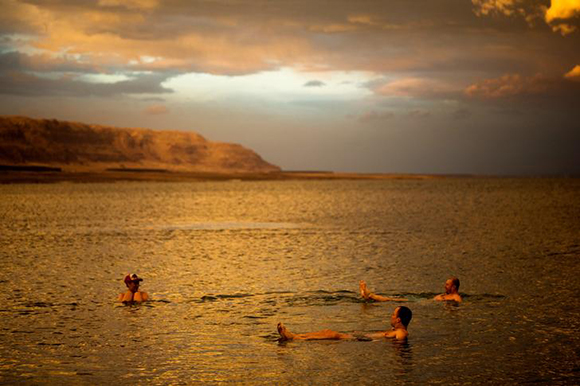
point(16, 61)
point(418, 39)
point(530, 94)
point(28, 84)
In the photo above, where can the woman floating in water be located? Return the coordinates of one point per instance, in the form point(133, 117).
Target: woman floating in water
point(400, 319)
point(133, 294)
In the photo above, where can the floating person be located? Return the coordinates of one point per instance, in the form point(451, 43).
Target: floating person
point(366, 294)
point(451, 291)
point(400, 320)
point(133, 294)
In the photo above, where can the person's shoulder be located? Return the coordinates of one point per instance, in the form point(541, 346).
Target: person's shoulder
point(398, 334)
point(447, 297)
point(140, 296)
point(125, 297)
point(401, 334)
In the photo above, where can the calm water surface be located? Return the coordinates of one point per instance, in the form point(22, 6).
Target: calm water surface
point(224, 262)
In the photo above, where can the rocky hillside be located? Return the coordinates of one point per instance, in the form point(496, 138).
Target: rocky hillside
point(77, 147)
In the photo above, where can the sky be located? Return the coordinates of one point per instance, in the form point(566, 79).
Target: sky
point(386, 86)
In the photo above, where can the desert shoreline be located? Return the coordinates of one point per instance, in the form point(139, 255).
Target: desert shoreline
point(36, 177)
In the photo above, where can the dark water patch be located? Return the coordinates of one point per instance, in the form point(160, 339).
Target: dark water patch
point(320, 298)
point(29, 168)
point(165, 301)
point(134, 305)
point(270, 337)
point(234, 296)
point(334, 292)
point(208, 298)
point(563, 254)
point(234, 227)
point(38, 304)
point(483, 296)
point(29, 312)
point(278, 293)
point(211, 298)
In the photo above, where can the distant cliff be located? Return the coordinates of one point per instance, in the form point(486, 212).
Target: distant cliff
point(78, 147)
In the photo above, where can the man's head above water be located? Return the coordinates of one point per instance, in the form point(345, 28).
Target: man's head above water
point(401, 315)
point(133, 294)
point(452, 285)
point(451, 290)
point(132, 282)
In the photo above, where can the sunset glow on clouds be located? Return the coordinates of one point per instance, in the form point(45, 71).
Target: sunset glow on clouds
point(556, 15)
point(574, 73)
point(315, 75)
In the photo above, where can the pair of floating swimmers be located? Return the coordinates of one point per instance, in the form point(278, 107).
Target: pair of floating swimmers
point(451, 292)
point(400, 318)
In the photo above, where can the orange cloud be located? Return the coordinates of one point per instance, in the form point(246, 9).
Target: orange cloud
point(30, 18)
point(508, 85)
point(371, 21)
point(416, 87)
point(573, 74)
point(558, 11)
point(562, 9)
point(486, 7)
point(108, 36)
point(216, 53)
point(156, 110)
point(150, 35)
point(130, 4)
point(120, 33)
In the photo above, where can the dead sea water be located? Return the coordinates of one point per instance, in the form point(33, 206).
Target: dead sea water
point(225, 261)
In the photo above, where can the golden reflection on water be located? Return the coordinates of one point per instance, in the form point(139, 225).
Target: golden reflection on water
point(224, 263)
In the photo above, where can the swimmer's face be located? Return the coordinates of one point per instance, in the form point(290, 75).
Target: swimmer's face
point(395, 317)
point(449, 287)
point(133, 286)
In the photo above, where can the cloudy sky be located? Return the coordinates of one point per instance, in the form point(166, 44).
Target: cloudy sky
point(404, 86)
